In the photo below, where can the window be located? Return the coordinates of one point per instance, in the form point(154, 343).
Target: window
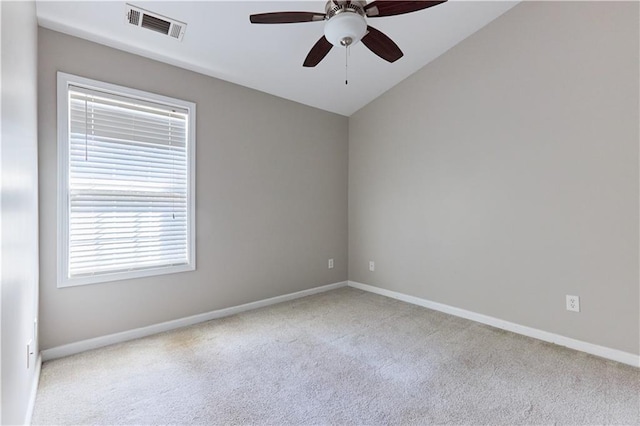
point(126, 183)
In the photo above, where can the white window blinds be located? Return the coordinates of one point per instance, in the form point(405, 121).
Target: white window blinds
point(128, 185)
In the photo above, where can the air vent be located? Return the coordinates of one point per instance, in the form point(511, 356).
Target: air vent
point(134, 17)
point(154, 22)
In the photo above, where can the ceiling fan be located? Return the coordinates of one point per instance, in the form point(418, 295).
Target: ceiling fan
point(345, 25)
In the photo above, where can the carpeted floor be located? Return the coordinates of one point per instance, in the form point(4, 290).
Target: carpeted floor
point(341, 357)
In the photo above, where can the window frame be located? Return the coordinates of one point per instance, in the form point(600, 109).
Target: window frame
point(64, 81)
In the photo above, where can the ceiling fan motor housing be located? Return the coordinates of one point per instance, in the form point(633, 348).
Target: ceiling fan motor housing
point(346, 24)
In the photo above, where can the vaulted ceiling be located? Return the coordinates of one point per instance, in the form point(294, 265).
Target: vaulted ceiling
point(221, 42)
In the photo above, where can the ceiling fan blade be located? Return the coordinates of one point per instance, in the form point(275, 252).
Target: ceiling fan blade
point(285, 17)
point(381, 8)
point(381, 45)
point(317, 52)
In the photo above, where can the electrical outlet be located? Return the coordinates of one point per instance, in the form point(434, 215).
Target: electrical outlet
point(330, 263)
point(372, 265)
point(30, 353)
point(573, 303)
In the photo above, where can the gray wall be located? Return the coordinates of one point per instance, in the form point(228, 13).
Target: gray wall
point(271, 190)
point(19, 183)
point(504, 175)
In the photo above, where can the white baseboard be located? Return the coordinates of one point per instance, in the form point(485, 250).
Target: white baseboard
point(98, 342)
point(590, 348)
point(34, 391)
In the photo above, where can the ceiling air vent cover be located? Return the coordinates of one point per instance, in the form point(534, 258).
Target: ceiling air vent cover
point(152, 21)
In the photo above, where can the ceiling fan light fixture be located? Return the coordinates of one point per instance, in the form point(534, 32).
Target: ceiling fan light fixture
point(345, 25)
point(345, 29)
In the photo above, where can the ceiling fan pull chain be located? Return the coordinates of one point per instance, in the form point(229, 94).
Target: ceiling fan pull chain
point(346, 65)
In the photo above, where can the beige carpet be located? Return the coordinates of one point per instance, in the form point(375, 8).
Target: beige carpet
point(342, 357)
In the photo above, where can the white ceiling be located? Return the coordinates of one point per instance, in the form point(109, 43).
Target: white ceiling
point(219, 41)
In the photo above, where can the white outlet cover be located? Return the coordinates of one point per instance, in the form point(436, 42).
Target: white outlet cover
point(29, 352)
point(330, 263)
point(573, 303)
point(372, 265)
